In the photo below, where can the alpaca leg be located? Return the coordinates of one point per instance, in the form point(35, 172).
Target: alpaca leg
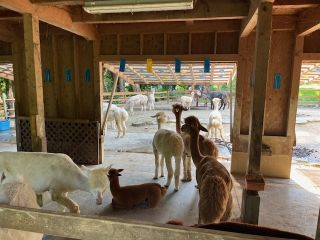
point(221, 133)
point(170, 170)
point(189, 177)
point(119, 129)
point(215, 133)
point(124, 128)
point(177, 172)
point(185, 168)
point(156, 162)
point(62, 199)
point(162, 165)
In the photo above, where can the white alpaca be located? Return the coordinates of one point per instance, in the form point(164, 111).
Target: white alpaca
point(215, 120)
point(169, 144)
point(111, 117)
point(151, 100)
point(18, 194)
point(119, 116)
point(53, 172)
point(137, 100)
point(186, 101)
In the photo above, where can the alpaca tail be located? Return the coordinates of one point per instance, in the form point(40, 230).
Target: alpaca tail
point(214, 196)
point(163, 191)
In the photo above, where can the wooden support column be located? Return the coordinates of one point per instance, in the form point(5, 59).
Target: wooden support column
point(294, 91)
point(34, 82)
point(254, 180)
point(98, 86)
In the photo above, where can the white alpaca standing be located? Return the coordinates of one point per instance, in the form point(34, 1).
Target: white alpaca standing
point(186, 101)
point(18, 194)
point(169, 144)
point(118, 115)
point(215, 120)
point(111, 117)
point(151, 99)
point(53, 172)
point(137, 100)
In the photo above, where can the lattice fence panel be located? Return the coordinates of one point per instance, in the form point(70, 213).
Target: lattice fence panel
point(78, 139)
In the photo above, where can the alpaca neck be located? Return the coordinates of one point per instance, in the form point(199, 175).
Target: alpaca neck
point(114, 186)
point(160, 125)
point(216, 105)
point(195, 152)
point(178, 122)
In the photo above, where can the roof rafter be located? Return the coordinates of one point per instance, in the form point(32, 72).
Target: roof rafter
point(309, 21)
point(173, 74)
point(121, 75)
point(56, 16)
point(140, 76)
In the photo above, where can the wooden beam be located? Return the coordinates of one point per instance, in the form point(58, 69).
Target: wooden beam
point(58, 2)
point(203, 10)
point(121, 74)
point(310, 57)
point(295, 4)
point(250, 22)
point(294, 89)
point(100, 228)
point(166, 58)
point(58, 17)
point(138, 74)
point(173, 74)
point(309, 21)
point(157, 76)
point(212, 73)
point(6, 59)
point(6, 15)
point(34, 82)
point(192, 76)
point(261, 63)
point(6, 32)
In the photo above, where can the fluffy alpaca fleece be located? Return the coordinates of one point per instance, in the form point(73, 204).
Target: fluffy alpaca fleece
point(186, 101)
point(151, 99)
point(137, 100)
point(53, 172)
point(207, 147)
point(129, 196)
point(169, 144)
point(118, 115)
point(215, 120)
point(214, 181)
point(18, 194)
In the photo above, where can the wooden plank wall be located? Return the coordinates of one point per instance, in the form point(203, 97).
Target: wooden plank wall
point(68, 98)
point(311, 43)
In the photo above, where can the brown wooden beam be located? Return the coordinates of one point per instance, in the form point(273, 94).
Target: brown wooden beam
point(295, 4)
point(203, 10)
point(58, 2)
point(250, 22)
point(34, 82)
point(309, 21)
point(7, 33)
point(9, 15)
point(58, 17)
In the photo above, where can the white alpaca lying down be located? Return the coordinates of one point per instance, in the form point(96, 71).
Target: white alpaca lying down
point(21, 195)
point(53, 172)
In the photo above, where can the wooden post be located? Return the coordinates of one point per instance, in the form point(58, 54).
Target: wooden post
point(34, 82)
point(318, 228)
point(254, 180)
point(294, 91)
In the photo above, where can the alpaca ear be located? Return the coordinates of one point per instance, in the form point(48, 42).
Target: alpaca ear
point(84, 168)
point(119, 174)
point(120, 170)
point(202, 128)
point(107, 169)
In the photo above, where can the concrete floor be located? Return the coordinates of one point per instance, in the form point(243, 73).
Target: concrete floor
point(286, 204)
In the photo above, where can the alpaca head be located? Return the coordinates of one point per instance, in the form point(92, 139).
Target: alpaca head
point(216, 102)
point(113, 174)
point(192, 125)
point(98, 180)
point(178, 108)
point(161, 117)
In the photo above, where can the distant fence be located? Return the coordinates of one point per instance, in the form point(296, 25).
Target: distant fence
point(309, 97)
point(122, 97)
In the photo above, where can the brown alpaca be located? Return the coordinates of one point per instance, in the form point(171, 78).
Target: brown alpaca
point(130, 196)
point(214, 180)
point(207, 147)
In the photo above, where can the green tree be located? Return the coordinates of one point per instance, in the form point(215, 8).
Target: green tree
point(107, 80)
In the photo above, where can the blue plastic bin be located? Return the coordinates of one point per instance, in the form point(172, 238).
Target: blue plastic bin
point(4, 125)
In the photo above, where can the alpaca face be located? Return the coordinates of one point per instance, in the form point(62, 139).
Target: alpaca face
point(192, 125)
point(114, 173)
point(177, 108)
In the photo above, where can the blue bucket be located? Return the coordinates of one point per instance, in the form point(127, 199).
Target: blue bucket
point(4, 125)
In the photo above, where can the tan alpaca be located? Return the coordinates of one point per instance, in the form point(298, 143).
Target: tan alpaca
point(18, 194)
point(129, 196)
point(168, 144)
point(53, 172)
point(207, 147)
point(214, 180)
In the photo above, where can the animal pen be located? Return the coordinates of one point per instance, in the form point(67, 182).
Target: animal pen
point(59, 51)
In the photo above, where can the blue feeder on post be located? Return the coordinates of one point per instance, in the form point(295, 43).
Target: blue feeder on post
point(177, 68)
point(277, 81)
point(47, 75)
point(68, 74)
point(206, 65)
point(87, 75)
point(122, 66)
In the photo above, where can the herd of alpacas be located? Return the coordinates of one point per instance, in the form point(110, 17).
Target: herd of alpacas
point(25, 175)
